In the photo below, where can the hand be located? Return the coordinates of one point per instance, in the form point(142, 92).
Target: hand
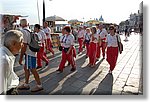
point(20, 61)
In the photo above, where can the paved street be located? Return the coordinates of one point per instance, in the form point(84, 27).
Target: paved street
point(126, 78)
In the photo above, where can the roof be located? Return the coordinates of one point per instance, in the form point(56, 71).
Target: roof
point(54, 18)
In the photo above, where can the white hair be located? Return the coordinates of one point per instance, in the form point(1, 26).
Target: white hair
point(12, 35)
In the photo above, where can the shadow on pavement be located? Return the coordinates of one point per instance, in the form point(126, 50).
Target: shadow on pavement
point(75, 83)
point(105, 87)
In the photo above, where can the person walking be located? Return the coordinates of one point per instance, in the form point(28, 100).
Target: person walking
point(103, 34)
point(93, 47)
point(87, 37)
point(67, 51)
point(40, 54)
point(112, 47)
point(47, 31)
point(30, 60)
point(80, 39)
point(13, 42)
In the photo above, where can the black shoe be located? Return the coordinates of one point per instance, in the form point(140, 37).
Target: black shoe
point(59, 70)
point(46, 64)
point(38, 67)
point(73, 69)
point(68, 64)
point(86, 56)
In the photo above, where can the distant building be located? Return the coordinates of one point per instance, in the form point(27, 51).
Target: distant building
point(135, 20)
point(101, 19)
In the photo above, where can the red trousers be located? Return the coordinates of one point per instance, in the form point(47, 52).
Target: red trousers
point(41, 56)
point(80, 40)
point(98, 51)
point(49, 46)
point(87, 49)
point(74, 52)
point(67, 57)
point(112, 55)
point(92, 53)
point(103, 45)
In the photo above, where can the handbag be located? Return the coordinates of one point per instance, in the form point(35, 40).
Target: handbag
point(120, 45)
point(66, 50)
point(60, 48)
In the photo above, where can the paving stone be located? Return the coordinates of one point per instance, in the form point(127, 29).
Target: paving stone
point(126, 78)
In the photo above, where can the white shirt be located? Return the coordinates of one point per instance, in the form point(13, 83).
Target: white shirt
point(26, 39)
point(42, 36)
point(96, 36)
point(68, 41)
point(62, 37)
point(103, 33)
point(112, 40)
point(81, 34)
point(87, 36)
point(10, 79)
point(47, 31)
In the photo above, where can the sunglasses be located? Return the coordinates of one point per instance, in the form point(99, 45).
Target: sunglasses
point(111, 28)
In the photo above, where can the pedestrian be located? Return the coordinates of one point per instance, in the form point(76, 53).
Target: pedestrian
point(112, 47)
point(80, 38)
point(103, 34)
point(93, 47)
point(47, 31)
point(126, 33)
point(87, 37)
point(13, 42)
point(30, 60)
point(67, 51)
point(40, 55)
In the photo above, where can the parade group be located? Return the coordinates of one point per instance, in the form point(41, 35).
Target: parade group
point(97, 41)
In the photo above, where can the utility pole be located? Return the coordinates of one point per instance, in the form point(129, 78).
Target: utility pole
point(43, 11)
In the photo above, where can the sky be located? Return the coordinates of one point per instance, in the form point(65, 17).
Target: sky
point(113, 11)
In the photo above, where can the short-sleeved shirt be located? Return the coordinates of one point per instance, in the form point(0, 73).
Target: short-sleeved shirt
point(103, 33)
point(87, 36)
point(112, 40)
point(96, 36)
point(47, 31)
point(68, 41)
point(81, 34)
point(27, 39)
point(42, 36)
point(61, 39)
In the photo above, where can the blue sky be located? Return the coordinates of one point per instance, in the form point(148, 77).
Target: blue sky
point(112, 10)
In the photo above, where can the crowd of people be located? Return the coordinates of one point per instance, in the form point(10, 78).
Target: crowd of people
point(96, 40)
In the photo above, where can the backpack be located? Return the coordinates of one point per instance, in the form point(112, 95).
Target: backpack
point(34, 44)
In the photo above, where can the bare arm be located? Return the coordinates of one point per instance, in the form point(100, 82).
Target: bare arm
point(23, 50)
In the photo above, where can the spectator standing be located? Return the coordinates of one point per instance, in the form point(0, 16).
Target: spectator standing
point(13, 42)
